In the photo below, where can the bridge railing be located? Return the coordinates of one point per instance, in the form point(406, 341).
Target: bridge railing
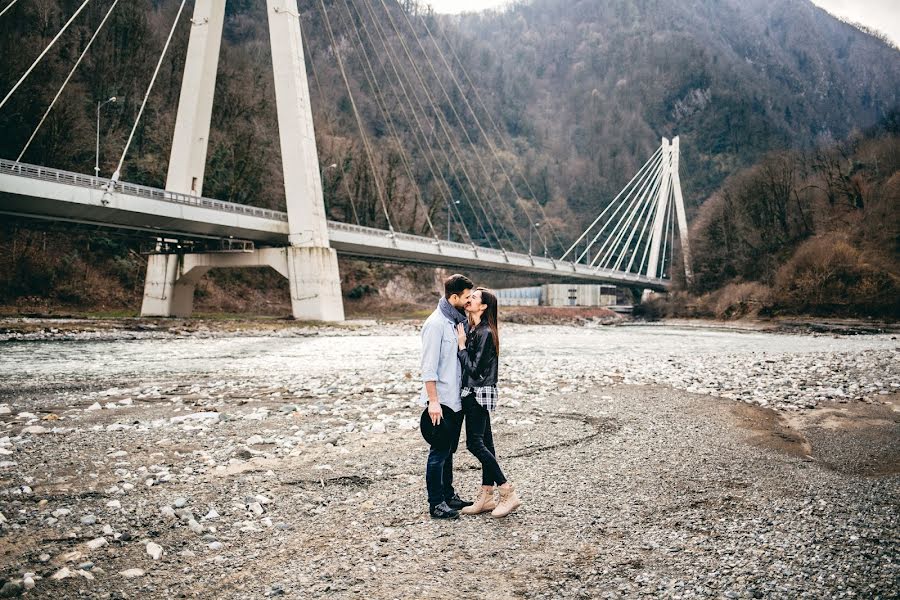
point(99, 183)
point(134, 189)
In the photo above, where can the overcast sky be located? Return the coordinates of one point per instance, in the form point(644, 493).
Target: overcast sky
point(882, 15)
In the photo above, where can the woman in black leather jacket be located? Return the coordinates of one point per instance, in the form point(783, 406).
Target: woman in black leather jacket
point(479, 357)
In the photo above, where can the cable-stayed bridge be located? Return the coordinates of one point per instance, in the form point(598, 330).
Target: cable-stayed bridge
point(41, 192)
point(630, 243)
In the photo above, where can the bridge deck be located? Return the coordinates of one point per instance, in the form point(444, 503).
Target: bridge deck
point(40, 192)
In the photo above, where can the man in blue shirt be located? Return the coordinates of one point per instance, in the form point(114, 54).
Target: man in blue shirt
point(442, 377)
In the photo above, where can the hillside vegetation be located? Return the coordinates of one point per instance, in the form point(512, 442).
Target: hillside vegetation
point(571, 97)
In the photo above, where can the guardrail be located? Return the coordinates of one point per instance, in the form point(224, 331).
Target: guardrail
point(134, 189)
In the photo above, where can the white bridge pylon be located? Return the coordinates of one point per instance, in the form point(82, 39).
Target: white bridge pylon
point(635, 233)
point(309, 262)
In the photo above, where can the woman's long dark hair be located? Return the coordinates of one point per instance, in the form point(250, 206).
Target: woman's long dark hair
point(490, 315)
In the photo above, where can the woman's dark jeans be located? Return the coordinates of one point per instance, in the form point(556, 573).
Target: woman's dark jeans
point(480, 441)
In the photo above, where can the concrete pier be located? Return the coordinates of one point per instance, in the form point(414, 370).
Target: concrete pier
point(315, 292)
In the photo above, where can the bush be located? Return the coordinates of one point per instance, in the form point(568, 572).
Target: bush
point(828, 275)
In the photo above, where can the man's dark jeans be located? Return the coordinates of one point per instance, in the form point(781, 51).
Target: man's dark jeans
point(439, 469)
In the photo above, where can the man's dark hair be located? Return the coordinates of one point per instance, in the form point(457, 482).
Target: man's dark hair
point(457, 284)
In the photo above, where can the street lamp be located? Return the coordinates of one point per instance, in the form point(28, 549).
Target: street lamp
point(449, 218)
point(97, 155)
point(536, 225)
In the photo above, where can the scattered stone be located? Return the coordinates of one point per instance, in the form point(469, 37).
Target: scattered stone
point(97, 543)
point(154, 550)
point(35, 430)
point(131, 573)
point(11, 589)
point(62, 574)
point(88, 520)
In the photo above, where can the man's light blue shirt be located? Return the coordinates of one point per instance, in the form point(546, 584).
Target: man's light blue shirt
point(439, 360)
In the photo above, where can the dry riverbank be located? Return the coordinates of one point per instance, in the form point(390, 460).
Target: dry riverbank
point(287, 463)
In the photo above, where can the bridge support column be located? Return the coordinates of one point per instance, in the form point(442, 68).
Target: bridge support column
point(168, 287)
point(315, 292)
point(315, 284)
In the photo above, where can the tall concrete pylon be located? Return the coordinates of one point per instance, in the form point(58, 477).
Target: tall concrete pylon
point(309, 263)
point(670, 187)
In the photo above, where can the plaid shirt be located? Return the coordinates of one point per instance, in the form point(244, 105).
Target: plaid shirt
point(485, 396)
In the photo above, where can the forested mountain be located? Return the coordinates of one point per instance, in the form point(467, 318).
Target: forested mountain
point(594, 84)
point(581, 89)
point(539, 112)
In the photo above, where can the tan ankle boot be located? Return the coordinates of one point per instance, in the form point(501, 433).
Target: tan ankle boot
point(484, 503)
point(509, 501)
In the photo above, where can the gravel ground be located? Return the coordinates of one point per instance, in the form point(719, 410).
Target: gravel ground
point(287, 463)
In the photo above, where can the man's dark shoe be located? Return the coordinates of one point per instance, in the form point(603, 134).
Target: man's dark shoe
point(457, 503)
point(442, 511)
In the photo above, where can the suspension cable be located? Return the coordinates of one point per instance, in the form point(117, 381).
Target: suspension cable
point(613, 236)
point(8, 6)
point(451, 104)
point(643, 217)
point(442, 122)
point(63, 86)
point(389, 120)
point(365, 140)
point(641, 241)
point(500, 136)
point(392, 60)
point(423, 146)
point(639, 204)
point(308, 52)
point(428, 151)
point(487, 139)
point(600, 216)
point(671, 226)
point(118, 171)
point(649, 171)
point(47, 49)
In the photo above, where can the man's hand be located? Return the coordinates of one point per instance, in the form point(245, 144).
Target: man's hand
point(461, 336)
point(435, 412)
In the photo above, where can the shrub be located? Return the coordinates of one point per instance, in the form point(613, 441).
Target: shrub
point(827, 274)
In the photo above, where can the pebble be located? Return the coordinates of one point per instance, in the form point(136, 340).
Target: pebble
point(11, 589)
point(131, 573)
point(35, 430)
point(97, 543)
point(88, 520)
point(154, 550)
point(718, 528)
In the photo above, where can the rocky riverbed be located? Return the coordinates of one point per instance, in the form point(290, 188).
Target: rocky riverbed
point(160, 462)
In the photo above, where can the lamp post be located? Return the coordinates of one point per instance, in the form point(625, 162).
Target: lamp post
point(536, 225)
point(324, 199)
point(97, 155)
point(450, 218)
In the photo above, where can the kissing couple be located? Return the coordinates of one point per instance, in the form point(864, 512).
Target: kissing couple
point(460, 355)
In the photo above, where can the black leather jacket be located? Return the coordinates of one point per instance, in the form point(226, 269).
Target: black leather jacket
point(479, 359)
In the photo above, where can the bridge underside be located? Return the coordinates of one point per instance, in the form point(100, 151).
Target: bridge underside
point(58, 195)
